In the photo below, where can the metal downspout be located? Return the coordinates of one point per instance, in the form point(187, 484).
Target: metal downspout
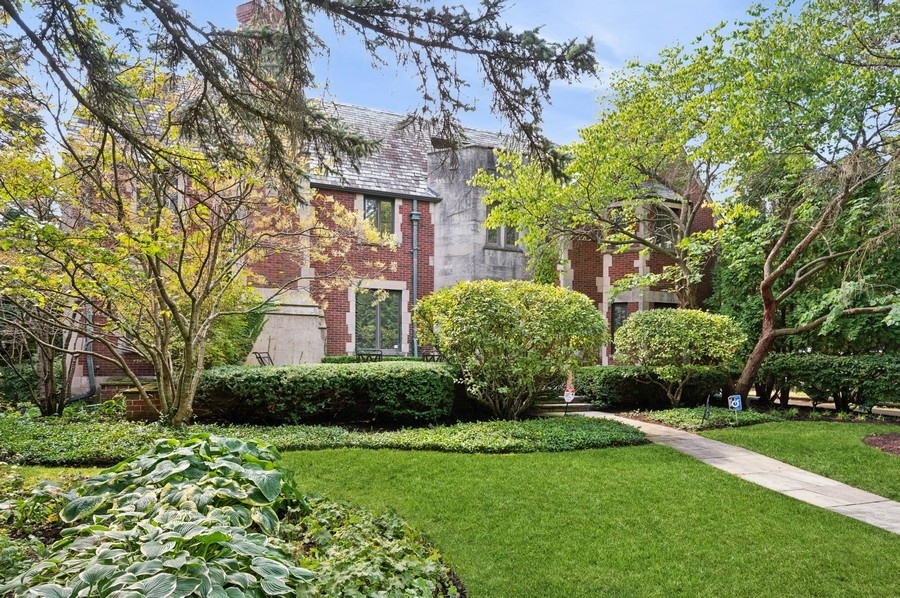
point(414, 217)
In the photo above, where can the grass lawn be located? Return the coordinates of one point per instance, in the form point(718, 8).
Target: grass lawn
point(33, 474)
point(637, 521)
point(831, 449)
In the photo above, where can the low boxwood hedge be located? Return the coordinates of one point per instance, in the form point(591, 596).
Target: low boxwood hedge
point(397, 391)
point(634, 387)
point(352, 358)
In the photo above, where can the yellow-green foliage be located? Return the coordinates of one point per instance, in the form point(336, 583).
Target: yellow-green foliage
point(513, 340)
point(671, 341)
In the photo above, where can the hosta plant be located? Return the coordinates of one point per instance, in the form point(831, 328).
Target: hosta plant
point(214, 516)
point(197, 518)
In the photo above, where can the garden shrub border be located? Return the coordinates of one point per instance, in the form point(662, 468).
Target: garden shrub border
point(860, 381)
point(393, 392)
point(637, 387)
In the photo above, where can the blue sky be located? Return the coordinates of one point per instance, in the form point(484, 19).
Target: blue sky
point(622, 30)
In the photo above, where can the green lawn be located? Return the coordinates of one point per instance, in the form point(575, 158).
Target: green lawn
point(639, 521)
point(832, 449)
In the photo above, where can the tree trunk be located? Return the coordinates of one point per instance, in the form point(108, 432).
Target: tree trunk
point(784, 394)
point(764, 390)
point(751, 367)
point(766, 338)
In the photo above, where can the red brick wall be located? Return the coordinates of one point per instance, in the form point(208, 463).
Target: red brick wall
point(587, 266)
point(336, 299)
point(622, 265)
point(135, 407)
point(705, 221)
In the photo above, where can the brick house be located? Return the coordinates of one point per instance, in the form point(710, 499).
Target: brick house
point(594, 273)
point(416, 190)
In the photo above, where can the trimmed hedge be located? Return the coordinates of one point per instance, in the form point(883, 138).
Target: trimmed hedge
point(393, 391)
point(635, 387)
point(352, 358)
point(861, 381)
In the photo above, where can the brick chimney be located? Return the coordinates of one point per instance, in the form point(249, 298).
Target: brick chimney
point(258, 10)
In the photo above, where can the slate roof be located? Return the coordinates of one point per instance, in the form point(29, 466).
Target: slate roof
point(400, 168)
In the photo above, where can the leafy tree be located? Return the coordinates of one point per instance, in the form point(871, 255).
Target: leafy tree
point(794, 110)
point(35, 352)
point(232, 337)
point(802, 104)
point(640, 176)
point(255, 80)
point(154, 251)
point(35, 360)
point(182, 131)
point(514, 341)
point(671, 343)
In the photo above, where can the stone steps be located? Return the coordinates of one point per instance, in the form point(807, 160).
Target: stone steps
point(559, 406)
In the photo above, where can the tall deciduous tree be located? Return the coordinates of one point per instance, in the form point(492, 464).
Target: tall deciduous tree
point(796, 111)
point(639, 177)
point(155, 249)
point(803, 101)
point(184, 129)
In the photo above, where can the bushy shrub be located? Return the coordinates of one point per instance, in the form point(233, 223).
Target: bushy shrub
point(514, 341)
point(634, 387)
point(15, 389)
point(861, 381)
point(671, 342)
point(392, 391)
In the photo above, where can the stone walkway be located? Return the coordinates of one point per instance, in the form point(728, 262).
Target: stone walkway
point(774, 475)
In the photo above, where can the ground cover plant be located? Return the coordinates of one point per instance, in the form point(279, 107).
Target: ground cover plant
point(832, 449)
point(56, 442)
point(215, 516)
point(637, 521)
point(691, 418)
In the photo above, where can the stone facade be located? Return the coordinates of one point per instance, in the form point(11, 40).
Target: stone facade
point(463, 250)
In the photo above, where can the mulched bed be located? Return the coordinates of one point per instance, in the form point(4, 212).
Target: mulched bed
point(889, 443)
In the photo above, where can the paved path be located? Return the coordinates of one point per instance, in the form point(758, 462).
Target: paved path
point(775, 475)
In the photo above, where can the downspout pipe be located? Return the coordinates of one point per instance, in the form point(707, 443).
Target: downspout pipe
point(88, 358)
point(414, 217)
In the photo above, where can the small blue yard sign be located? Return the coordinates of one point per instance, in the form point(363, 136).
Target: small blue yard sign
point(734, 403)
